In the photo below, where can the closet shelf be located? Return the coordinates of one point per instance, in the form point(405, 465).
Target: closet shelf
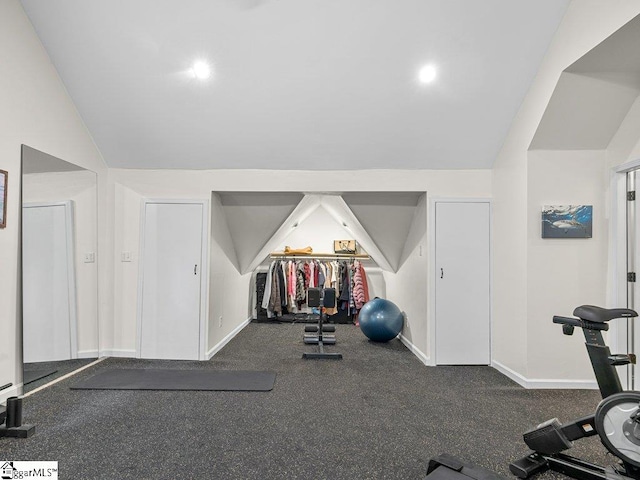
point(359, 256)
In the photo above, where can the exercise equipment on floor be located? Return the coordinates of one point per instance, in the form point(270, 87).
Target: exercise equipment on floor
point(381, 320)
point(447, 467)
point(321, 334)
point(616, 419)
point(11, 420)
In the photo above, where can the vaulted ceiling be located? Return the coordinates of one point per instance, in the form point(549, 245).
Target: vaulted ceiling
point(313, 84)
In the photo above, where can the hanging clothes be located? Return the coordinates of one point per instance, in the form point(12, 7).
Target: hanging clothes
point(307, 275)
point(345, 288)
point(329, 284)
point(300, 284)
point(320, 274)
point(267, 290)
point(316, 274)
point(282, 289)
point(291, 287)
point(275, 301)
point(288, 281)
point(312, 274)
point(365, 284)
point(360, 286)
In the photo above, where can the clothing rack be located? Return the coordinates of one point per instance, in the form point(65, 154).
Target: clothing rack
point(320, 256)
point(281, 272)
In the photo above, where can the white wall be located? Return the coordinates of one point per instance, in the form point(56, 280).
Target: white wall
point(228, 289)
point(408, 288)
point(564, 273)
point(122, 331)
point(625, 144)
point(317, 231)
point(36, 111)
point(79, 187)
point(232, 300)
point(586, 23)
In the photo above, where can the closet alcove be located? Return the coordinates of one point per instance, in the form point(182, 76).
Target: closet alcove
point(247, 227)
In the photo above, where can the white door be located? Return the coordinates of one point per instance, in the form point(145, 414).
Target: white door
point(49, 296)
point(171, 264)
point(462, 305)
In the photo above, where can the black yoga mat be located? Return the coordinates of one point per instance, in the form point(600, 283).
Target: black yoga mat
point(162, 379)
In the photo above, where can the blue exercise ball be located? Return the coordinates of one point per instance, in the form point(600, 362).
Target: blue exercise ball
point(380, 320)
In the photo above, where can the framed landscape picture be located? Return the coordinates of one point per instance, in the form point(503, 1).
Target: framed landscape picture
point(567, 221)
point(3, 198)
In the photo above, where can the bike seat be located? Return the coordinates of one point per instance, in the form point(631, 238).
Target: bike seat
point(592, 313)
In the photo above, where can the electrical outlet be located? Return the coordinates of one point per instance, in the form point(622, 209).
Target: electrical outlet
point(89, 257)
point(126, 256)
point(220, 321)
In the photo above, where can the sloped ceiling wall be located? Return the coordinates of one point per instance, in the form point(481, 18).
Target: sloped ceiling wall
point(35, 161)
point(593, 95)
point(253, 218)
point(260, 222)
point(387, 217)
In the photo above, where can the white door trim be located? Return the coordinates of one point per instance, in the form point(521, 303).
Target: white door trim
point(71, 266)
point(618, 260)
point(204, 269)
point(432, 270)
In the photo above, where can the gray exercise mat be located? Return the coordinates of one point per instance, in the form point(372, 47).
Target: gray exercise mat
point(163, 379)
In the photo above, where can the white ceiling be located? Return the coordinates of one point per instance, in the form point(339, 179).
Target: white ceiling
point(314, 84)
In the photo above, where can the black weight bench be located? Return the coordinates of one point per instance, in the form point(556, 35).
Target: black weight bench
point(318, 333)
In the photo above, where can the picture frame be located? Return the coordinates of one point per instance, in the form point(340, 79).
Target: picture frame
point(4, 176)
point(567, 221)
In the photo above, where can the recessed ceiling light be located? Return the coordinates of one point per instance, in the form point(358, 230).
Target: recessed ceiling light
point(201, 70)
point(427, 74)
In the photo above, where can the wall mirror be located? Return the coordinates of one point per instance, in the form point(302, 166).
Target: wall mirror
point(59, 269)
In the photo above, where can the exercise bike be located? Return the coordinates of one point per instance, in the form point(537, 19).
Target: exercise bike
point(616, 419)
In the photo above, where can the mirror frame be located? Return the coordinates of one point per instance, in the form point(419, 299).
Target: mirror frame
point(86, 362)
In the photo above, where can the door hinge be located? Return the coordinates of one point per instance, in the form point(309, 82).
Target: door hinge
point(631, 196)
point(631, 277)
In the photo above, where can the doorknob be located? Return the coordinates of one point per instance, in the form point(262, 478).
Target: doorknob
point(441, 272)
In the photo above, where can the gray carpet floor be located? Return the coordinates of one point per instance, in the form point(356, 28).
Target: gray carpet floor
point(377, 414)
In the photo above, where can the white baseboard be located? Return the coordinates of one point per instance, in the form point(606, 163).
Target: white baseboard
point(227, 339)
point(88, 354)
point(415, 350)
point(532, 383)
point(12, 391)
point(121, 353)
